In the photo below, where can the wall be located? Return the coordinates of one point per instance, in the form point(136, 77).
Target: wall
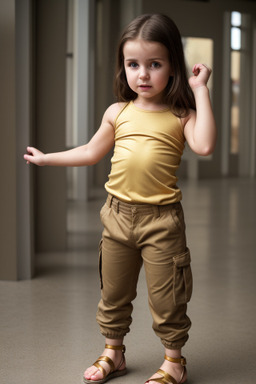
point(16, 233)
point(50, 112)
point(8, 242)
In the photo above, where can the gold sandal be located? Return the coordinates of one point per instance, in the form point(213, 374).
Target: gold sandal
point(166, 378)
point(114, 372)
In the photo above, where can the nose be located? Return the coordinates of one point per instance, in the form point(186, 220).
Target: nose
point(144, 73)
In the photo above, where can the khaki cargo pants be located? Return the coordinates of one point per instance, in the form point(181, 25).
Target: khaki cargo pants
point(154, 236)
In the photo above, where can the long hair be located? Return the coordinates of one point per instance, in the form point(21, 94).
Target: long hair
point(157, 28)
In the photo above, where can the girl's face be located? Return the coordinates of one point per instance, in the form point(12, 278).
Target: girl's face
point(148, 69)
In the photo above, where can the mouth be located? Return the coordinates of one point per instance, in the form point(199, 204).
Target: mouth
point(144, 86)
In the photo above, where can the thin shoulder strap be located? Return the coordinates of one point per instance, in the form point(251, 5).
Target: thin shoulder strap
point(121, 110)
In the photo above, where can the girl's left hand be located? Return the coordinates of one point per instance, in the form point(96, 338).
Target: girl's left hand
point(201, 76)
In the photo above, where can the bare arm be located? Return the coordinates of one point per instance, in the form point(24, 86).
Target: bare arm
point(200, 127)
point(88, 154)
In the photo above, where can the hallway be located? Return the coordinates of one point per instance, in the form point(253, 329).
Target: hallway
point(48, 332)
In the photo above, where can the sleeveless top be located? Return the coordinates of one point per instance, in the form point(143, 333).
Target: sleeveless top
point(147, 154)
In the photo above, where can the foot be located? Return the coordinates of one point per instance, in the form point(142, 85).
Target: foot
point(94, 374)
point(173, 369)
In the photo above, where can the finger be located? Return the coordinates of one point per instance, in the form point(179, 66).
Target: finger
point(27, 158)
point(196, 69)
point(30, 150)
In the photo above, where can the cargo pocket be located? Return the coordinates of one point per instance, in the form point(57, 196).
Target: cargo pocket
point(183, 281)
point(100, 264)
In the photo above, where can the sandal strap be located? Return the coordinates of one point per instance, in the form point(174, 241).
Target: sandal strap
point(116, 347)
point(100, 368)
point(165, 379)
point(107, 360)
point(181, 360)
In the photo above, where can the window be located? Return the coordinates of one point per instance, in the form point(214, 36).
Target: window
point(198, 50)
point(236, 22)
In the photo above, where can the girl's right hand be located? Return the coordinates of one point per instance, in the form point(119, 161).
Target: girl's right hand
point(34, 156)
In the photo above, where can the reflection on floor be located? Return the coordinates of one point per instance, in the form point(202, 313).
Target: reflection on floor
point(48, 333)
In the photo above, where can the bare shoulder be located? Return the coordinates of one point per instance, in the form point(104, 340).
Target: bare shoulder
point(112, 112)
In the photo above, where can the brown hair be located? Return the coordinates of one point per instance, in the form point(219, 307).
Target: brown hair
point(158, 28)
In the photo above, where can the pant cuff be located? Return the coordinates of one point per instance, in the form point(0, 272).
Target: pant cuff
point(175, 344)
point(113, 335)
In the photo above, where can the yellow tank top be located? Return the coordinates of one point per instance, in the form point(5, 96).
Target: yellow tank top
point(147, 153)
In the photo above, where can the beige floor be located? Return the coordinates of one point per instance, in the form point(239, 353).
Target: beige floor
point(48, 333)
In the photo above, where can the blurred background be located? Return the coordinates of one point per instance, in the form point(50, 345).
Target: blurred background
point(57, 63)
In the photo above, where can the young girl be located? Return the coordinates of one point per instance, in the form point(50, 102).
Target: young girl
point(158, 109)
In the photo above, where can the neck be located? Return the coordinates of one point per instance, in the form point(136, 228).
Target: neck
point(149, 105)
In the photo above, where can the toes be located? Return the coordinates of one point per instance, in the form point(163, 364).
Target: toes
point(96, 376)
point(92, 373)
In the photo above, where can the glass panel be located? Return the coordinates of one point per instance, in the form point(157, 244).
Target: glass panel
point(235, 81)
point(236, 19)
point(198, 50)
point(235, 38)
